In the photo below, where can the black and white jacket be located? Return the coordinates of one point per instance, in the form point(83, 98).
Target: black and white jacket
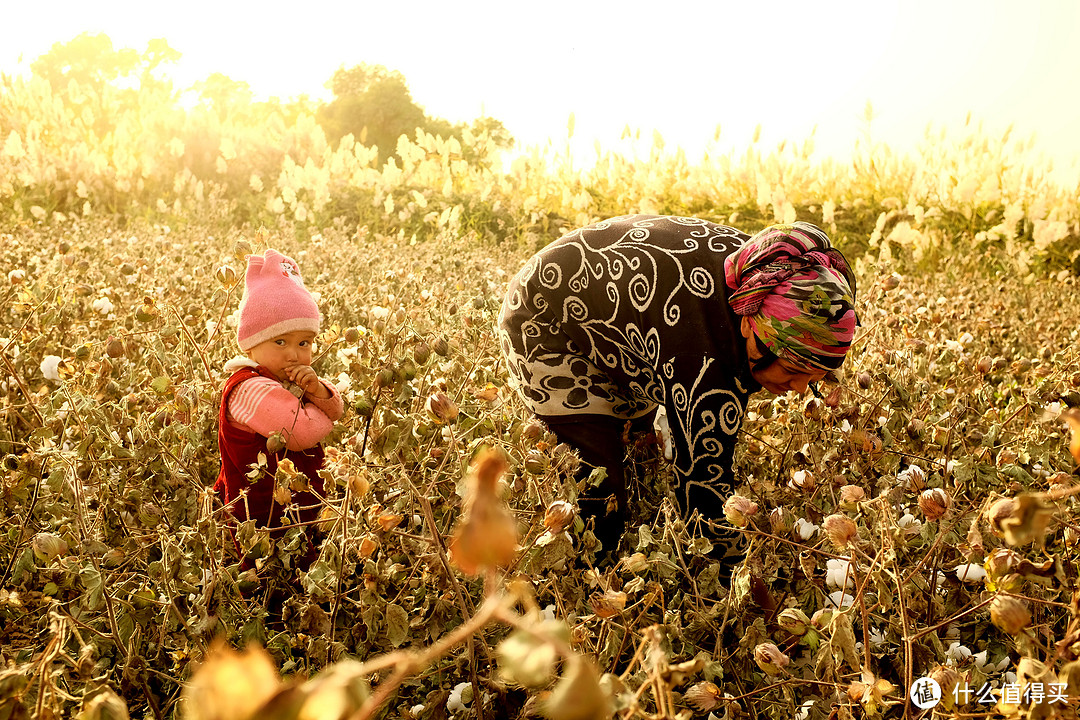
point(628, 314)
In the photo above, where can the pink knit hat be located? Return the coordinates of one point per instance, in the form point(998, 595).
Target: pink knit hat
point(275, 300)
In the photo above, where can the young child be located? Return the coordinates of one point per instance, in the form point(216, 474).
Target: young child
point(273, 395)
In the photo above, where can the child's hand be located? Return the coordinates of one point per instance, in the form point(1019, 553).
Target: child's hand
point(307, 379)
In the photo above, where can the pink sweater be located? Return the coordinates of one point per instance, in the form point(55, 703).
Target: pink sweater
point(264, 406)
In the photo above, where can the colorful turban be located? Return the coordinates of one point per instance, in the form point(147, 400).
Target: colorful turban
point(798, 293)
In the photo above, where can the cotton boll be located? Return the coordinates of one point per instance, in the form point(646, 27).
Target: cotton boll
point(344, 382)
point(460, 696)
point(839, 599)
point(805, 528)
point(970, 573)
point(838, 573)
point(49, 365)
point(957, 653)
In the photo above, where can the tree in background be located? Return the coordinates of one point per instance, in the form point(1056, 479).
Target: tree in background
point(91, 60)
point(374, 105)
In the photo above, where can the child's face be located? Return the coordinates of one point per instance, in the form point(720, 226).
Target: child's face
point(283, 352)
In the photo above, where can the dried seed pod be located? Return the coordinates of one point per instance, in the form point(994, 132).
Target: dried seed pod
point(275, 443)
point(1009, 614)
point(383, 378)
point(636, 563)
point(802, 480)
point(442, 407)
point(840, 529)
point(114, 347)
point(913, 478)
point(608, 604)
point(998, 512)
point(1011, 583)
point(948, 679)
point(421, 353)
point(532, 430)
point(703, 697)
point(226, 275)
point(915, 428)
point(781, 520)
point(558, 516)
point(536, 462)
point(739, 509)
point(770, 659)
point(851, 496)
point(48, 546)
point(934, 503)
point(794, 621)
point(1001, 562)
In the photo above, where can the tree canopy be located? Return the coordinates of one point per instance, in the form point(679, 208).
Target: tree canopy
point(91, 59)
point(374, 105)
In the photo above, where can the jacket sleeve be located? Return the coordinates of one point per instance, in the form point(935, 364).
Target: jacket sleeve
point(265, 407)
point(333, 407)
point(705, 408)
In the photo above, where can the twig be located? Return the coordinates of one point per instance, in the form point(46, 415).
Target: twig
point(908, 640)
point(11, 368)
point(408, 663)
point(199, 350)
point(341, 567)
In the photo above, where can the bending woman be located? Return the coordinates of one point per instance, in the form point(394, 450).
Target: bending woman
point(617, 318)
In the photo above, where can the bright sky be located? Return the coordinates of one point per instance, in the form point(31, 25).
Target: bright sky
point(678, 66)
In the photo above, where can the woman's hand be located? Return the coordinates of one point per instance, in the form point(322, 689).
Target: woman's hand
point(306, 378)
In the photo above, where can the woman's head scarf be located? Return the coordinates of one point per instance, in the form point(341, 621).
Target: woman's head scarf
point(798, 293)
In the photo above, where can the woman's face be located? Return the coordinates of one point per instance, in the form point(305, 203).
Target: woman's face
point(779, 376)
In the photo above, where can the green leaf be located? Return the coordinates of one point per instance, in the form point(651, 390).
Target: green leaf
point(24, 566)
point(645, 538)
point(397, 624)
point(161, 385)
point(91, 580)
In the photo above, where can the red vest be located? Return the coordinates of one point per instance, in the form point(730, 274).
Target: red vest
point(239, 449)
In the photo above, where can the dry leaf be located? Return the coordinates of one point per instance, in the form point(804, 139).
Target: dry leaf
point(488, 393)
point(679, 673)
point(1028, 520)
point(703, 697)
point(231, 685)
point(1072, 417)
point(389, 521)
point(842, 640)
point(608, 604)
point(578, 695)
point(488, 536)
